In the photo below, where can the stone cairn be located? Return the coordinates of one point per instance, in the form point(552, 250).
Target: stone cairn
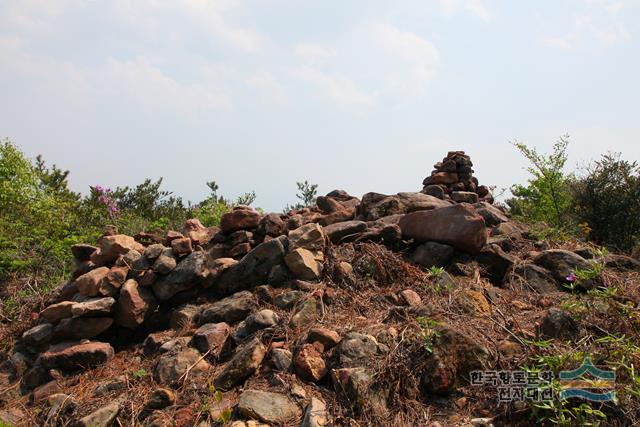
point(453, 179)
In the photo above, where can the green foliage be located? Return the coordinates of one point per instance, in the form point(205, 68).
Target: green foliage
point(246, 198)
point(140, 373)
point(210, 211)
point(607, 199)
point(435, 271)
point(547, 196)
point(429, 332)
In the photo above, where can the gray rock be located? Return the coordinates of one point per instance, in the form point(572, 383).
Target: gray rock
point(152, 252)
point(39, 335)
point(356, 349)
point(559, 324)
point(103, 417)
point(190, 272)
point(185, 315)
point(288, 300)
point(305, 315)
point(268, 407)
point(165, 262)
point(282, 359)
point(230, 310)
point(491, 214)
point(533, 277)
point(496, 263)
point(253, 270)
point(561, 263)
point(80, 328)
point(316, 414)
point(172, 366)
point(255, 322)
point(94, 307)
point(433, 254)
point(242, 365)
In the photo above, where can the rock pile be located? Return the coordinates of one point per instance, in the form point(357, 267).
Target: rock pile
point(453, 179)
point(233, 302)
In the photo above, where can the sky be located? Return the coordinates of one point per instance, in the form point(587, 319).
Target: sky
point(362, 95)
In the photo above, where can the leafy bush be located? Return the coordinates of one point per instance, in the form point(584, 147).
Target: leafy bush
point(607, 199)
point(547, 197)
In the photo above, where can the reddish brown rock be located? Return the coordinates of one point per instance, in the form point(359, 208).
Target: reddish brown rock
point(324, 336)
point(211, 337)
point(198, 233)
point(135, 305)
point(239, 219)
point(410, 298)
point(56, 312)
point(89, 284)
point(309, 364)
point(181, 246)
point(76, 355)
point(457, 225)
point(109, 248)
point(112, 282)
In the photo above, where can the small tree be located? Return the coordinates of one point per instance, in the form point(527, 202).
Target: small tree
point(547, 196)
point(307, 193)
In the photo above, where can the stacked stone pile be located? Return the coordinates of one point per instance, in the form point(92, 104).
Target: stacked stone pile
point(237, 287)
point(453, 178)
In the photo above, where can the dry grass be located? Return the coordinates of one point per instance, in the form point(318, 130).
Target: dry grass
point(362, 303)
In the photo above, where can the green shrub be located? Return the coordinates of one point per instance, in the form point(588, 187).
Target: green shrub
point(607, 199)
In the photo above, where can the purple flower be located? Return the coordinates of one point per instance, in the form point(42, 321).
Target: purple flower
point(98, 188)
point(571, 277)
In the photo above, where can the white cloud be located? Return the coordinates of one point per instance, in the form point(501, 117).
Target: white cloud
point(336, 87)
point(313, 52)
point(474, 7)
point(268, 87)
point(601, 24)
point(557, 42)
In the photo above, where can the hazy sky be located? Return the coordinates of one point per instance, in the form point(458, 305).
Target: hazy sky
point(358, 95)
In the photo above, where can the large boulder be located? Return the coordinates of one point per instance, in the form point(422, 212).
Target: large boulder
point(561, 263)
point(189, 272)
point(456, 225)
point(253, 269)
point(375, 205)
